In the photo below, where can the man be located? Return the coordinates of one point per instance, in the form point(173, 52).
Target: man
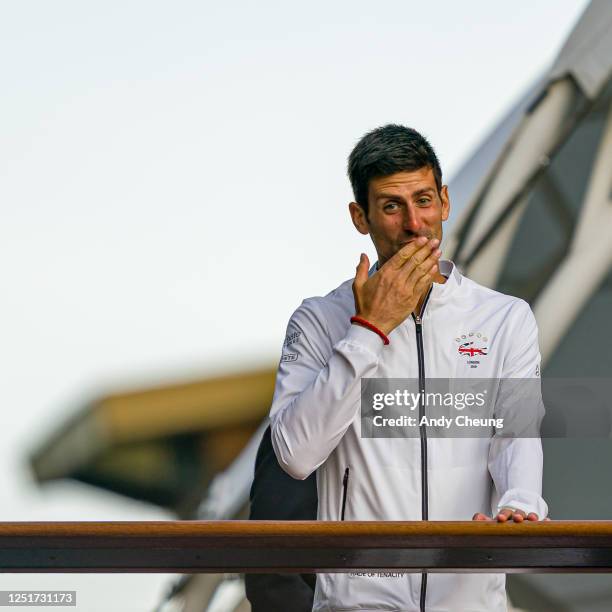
point(405, 319)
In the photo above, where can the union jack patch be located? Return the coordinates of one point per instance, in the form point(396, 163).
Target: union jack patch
point(472, 344)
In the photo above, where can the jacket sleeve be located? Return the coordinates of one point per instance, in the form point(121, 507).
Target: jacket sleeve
point(516, 461)
point(318, 388)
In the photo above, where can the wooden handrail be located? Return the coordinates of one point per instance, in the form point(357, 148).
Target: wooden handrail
point(305, 546)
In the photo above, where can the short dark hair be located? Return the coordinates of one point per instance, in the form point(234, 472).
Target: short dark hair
point(386, 150)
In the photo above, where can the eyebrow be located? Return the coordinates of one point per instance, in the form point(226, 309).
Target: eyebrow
point(395, 196)
point(419, 192)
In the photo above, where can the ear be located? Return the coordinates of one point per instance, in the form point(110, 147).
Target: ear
point(359, 218)
point(445, 202)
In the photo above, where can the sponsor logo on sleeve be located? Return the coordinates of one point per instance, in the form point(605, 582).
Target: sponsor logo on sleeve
point(290, 339)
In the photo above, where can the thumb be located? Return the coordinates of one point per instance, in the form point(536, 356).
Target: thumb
point(361, 275)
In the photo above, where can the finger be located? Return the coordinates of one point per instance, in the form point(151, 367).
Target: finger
point(481, 517)
point(504, 515)
point(423, 276)
point(421, 256)
point(406, 253)
point(532, 516)
point(424, 252)
point(423, 283)
point(423, 268)
point(518, 516)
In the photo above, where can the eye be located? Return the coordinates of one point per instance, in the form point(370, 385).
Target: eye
point(423, 201)
point(391, 206)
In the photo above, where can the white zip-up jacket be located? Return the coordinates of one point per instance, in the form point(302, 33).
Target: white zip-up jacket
point(316, 425)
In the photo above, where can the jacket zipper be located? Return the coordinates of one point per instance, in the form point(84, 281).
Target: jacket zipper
point(344, 492)
point(418, 322)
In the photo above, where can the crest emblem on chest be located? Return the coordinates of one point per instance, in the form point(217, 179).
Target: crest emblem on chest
point(472, 346)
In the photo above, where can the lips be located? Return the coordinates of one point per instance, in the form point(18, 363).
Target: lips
point(413, 239)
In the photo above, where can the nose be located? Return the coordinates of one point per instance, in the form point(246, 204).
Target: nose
point(412, 221)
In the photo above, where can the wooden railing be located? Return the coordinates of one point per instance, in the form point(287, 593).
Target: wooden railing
point(308, 546)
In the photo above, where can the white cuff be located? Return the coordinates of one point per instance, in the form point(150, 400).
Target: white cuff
point(525, 500)
point(363, 337)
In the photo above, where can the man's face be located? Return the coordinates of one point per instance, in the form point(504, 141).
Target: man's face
point(402, 207)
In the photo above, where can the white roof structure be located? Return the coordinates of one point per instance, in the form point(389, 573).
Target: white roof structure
point(546, 165)
point(535, 221)
point(587, 54)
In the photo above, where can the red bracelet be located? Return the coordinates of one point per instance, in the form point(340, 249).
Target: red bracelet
point(371, 327)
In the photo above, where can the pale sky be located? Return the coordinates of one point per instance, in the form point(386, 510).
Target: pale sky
point(173, 184)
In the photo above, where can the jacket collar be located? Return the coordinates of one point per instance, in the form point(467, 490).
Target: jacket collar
point(439, 292)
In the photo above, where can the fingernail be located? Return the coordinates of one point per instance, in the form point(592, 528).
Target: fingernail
point(435, 242)
point(437, 253)
point(421, 240)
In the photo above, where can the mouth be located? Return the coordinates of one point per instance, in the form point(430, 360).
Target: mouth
point(405, 242)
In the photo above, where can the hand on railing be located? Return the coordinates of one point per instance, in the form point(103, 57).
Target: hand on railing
point(509, 514)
